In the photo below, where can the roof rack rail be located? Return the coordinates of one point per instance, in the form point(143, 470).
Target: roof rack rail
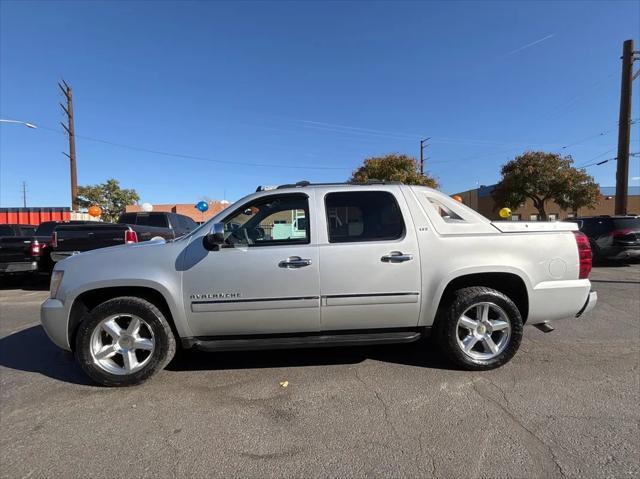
point(301, 184)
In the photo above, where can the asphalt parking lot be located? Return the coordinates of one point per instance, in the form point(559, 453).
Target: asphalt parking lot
point(567, 405)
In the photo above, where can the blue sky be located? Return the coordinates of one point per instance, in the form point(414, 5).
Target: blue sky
point(243, 90)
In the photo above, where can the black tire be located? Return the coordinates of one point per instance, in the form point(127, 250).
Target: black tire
point(447, 330)
point(163, 338)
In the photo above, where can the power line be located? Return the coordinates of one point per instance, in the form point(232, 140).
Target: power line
point(198, 158)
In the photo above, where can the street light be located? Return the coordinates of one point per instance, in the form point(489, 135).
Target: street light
point(28, 125)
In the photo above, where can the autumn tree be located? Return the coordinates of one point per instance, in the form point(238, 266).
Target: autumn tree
point(108, 196)
point(392, 167)
point(540, 177)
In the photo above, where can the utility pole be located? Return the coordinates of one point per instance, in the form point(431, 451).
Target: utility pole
point(422, 145)
point(624, 129)
point(24, 194)
point(66, 91)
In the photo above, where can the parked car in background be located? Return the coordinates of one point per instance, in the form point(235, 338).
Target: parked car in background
point(358, 265)
point(19, 249)
point(71, 239)
point(612, 237)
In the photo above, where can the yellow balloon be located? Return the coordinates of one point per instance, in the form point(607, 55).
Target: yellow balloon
point(505, 213)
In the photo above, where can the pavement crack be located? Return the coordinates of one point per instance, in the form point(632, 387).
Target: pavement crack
point(385, 406)
point(543, 445)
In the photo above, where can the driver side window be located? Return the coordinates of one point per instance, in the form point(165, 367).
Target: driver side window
point(270, 221)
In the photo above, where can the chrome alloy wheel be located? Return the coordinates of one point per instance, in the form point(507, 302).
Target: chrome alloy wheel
point(483, 331)
point(122, 344)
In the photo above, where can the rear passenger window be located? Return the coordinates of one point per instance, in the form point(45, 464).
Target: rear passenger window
point(363, 216)
point(6, 230)
point(157, 221)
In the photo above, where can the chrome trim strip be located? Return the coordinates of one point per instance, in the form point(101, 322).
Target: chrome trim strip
point(368, 299)
point(362, 295)
point(257, 304)
point(254, 300)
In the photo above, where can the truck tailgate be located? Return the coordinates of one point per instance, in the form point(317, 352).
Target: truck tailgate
point(15, 248)
point(534, 226)
point(89, 237)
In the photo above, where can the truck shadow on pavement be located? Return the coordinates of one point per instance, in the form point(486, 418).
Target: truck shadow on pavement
point(421, 354)
point(39, 283)
point(32, 351)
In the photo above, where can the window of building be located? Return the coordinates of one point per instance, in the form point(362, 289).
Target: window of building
point(553, 217)
point(515, 217)
point(571, 215)
point(363, 216)
point(275, 220)
point(533, 217)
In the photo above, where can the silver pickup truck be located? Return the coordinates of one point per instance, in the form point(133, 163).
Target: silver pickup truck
point(321, 265)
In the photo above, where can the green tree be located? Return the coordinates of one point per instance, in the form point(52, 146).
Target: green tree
point(392, 167)
point(108, 196)
point(540, 177)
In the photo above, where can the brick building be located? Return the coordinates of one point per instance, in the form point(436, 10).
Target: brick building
point(480, 199)
point(187, 209)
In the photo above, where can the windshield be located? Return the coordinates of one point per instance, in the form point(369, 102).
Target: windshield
point(209, 223)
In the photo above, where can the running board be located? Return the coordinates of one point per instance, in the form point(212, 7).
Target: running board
point(311, 341)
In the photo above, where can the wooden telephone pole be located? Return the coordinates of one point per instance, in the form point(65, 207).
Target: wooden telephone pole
point(66, 91)
point(624, 129)
point(422, 145)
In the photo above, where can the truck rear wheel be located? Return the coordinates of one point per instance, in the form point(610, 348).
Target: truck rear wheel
point(480, 329)
point(124, 341)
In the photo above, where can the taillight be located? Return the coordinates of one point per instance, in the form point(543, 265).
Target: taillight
point(130, 236)
point(54, 240)
point(35, 248)
point(584, 254)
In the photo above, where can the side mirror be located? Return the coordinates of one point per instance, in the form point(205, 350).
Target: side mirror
point(215, 238)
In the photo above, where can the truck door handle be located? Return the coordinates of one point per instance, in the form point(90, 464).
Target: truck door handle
point(294, 262)
point(396, 257)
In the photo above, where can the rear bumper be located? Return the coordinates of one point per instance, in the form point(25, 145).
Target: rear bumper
point(589, 304)
point(53, 317)
point(553, 300)
point(19, 267)
point(60, 255)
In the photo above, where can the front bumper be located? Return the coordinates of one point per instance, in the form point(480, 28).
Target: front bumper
point(54, 316)
point(589, 304)
point(60, 255)
point(19, 267)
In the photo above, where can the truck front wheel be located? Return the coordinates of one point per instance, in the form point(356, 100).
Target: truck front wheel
point(124, 341)
point(480, 329)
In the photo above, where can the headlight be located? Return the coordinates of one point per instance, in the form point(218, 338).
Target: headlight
point(56, 279)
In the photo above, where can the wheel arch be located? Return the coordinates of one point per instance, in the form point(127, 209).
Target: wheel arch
point(89, 299)
point(508, 283)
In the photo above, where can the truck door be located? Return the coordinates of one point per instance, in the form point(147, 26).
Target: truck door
point(369, 260)
point(265, 281)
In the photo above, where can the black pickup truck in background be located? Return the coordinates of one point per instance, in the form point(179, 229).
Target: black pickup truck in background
point(27, 248)
point(19, 249)
point(68, 240)
point(44, 235)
